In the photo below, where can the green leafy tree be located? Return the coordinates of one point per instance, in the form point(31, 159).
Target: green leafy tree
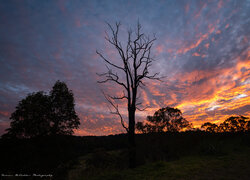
point(165, 119)
point(40, 114)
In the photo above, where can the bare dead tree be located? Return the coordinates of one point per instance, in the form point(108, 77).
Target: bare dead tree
point(136, 61)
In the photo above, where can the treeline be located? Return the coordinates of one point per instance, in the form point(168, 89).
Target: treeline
point(170, 119)
point(231, 124)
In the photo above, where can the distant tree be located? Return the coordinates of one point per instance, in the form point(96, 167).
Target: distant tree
point(63, 116)
point(40, 114)
point(165, 119)
point(247, 127)
point(140, 127)
point(210, 127)
point(194, 129)
point(235, 124)
point(231, 124)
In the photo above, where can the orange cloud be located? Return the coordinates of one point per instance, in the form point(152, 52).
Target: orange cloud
point(206, 95)
point(192, 46)
point(226, 97)
point(196, 54)
point(211, 28)
point(201, 38)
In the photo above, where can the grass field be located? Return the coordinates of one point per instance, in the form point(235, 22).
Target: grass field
point(234, 165)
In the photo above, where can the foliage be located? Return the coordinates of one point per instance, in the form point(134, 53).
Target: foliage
point(31, 117)
point(235, 124)
point(210, 127)
point(165, 119)
point(64, 118)
point(40, 114)
point(231, 124)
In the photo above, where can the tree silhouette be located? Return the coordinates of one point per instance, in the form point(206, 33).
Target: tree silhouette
point(231, 124)
point(128, 73)
point(141, 127)
point(235, 124)
point(210, 127)
point(63, 116)
point(31, 117)
point(165, 119)
point(40, 114)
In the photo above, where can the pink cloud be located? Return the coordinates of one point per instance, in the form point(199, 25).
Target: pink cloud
point(159, 49)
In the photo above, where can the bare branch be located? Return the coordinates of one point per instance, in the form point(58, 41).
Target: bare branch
point(119, 97)
point(156, 77)
point(143, 109)
point(110, 76)
point(117, 112)
point(140, 109)
point(107, 61)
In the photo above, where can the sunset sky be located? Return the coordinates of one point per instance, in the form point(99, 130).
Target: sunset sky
point(203, 47)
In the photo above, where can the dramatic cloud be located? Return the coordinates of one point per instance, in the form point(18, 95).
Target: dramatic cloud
point(203, 47)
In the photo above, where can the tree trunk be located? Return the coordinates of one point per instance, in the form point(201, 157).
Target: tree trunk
point(131, 138)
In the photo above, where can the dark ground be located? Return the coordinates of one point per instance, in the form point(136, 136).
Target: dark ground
point(187, 155)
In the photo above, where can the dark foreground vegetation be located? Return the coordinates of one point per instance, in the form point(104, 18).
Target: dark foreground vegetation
point(186, 155)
